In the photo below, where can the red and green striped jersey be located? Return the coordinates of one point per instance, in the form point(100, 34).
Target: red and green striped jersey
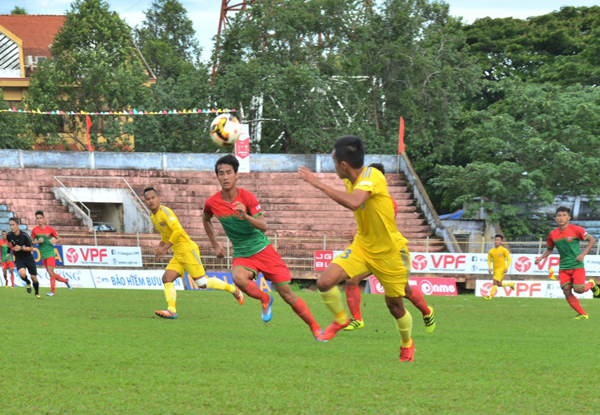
point(245, 238)
point(5, 253)
point(46, 248)
point(567, 243)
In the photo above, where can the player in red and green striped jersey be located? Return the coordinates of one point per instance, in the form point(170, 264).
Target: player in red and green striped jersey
point(243, 221)
point(566, 239)
point(8, 261)
point(47, 237)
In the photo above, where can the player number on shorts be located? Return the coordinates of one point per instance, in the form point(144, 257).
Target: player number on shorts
point(346, 253)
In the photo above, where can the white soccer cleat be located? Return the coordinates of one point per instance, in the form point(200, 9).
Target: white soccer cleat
point(69, 285)
point(50, 294)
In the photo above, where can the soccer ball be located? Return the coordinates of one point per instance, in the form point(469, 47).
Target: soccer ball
point(225, 130)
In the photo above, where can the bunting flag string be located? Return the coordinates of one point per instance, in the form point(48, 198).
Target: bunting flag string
point(121, 113)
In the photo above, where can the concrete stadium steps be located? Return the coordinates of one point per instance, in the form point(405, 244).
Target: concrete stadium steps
point(296, 212)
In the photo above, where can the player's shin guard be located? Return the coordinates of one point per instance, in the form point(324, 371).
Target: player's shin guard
point(36, 287)
point(418, 301)
point(253, 291)
point(171, 295)
point(404, 325)
point(52, 282)
point(353, 300)
point(304, 313)
point(217, 284)
point(574, 302)
point(333, 301)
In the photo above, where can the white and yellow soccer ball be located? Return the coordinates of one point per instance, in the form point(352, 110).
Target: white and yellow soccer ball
point(225, 130)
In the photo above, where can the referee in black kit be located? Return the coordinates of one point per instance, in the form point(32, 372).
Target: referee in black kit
point(23, 247)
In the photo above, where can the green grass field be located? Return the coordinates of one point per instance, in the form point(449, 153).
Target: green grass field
point(104, 351)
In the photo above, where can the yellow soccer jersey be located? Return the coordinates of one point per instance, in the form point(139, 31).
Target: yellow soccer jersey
point(377, 234)
point(170, 230)
point(499, 258)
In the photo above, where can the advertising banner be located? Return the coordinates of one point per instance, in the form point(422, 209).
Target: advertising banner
point(449, 263)
point(525, 289)
point(132, 279)
point(102, 256)
point(79, 278)
point(242, 149)
point(428, 286)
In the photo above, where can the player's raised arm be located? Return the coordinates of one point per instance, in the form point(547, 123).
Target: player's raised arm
point(352, 201)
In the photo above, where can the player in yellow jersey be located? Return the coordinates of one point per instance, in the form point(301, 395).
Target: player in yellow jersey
point(378, 246)
point(186, 255)
point(499, 263)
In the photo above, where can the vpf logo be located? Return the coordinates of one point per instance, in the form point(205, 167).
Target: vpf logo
point(486, 288)
point(523, 264)
point(419, 262)
point(72, 255)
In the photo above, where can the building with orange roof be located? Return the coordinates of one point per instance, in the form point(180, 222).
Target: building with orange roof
point(24, 43)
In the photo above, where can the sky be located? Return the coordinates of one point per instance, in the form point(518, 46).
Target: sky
point(205, 13)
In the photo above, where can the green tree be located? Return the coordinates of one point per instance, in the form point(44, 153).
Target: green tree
point(12, 127)
point(18, 10)
point(94, 67)
point(167, 39)
point(538, 142)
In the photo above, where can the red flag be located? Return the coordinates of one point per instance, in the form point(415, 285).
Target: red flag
point(88, 123)
point(401, 138)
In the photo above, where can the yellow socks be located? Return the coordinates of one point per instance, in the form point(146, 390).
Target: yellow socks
point(333, 301)
point(217, 284)
point(493, 291)
point(171, 295)
point(404, 325)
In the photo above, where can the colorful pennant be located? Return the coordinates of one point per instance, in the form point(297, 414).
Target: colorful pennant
point(120, 113)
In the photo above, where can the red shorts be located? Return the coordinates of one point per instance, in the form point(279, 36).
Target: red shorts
point(49, 262)
point(269, 262)
point(572, 276)
point(7, 265)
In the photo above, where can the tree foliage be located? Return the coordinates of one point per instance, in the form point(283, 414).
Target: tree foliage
point(12, 128)
point(18, 10)
point(539, 141)
point(94, 67)
point(167, 39)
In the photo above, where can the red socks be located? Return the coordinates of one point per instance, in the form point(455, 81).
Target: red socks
point(253, 291)
point(418, 301)
point(304, 313)
point(353, 300)
point(574, 302)
point(588, 286)
point(55, 277)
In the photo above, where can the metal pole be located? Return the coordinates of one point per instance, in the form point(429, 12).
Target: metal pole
point(427, 250)
point(598, 249)
point(483, 245)
point(540, 247)
point(138, 238)
point(324, 242)
point(276, 242)
point(95, 240)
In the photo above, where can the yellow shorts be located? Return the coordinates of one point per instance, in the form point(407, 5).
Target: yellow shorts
point(190, 262)
point(391, 272)
point(499, 275)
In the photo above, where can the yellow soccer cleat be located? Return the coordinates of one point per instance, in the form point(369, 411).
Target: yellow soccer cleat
point(429, 321)
point(489, 297)
point(512, 285)
point(582, 317)
point(595, 289)
point(354, 325)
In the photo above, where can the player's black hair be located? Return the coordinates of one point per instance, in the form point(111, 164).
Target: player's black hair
point(499, 236)
point(150, 189)
point(351, 150)
point(15, 220)
point(3, 231)
point(563, 209)
point(229, 160)
point(39, 212)
point(378, 166)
